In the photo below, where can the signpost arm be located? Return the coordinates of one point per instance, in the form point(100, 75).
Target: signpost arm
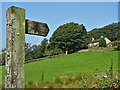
point(36, 28)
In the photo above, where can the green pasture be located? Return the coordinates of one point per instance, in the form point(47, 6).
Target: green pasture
point(80, 62)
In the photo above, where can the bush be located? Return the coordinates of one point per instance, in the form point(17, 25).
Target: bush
point(53, 52)
point(116, 45)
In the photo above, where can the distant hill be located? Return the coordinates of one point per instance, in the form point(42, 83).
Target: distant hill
point(110, 31)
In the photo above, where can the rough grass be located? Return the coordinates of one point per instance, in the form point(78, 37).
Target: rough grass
point(81, 62)
point(80, 81)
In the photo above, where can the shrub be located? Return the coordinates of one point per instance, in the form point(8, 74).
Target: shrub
point(53, 52)
point(116, 45)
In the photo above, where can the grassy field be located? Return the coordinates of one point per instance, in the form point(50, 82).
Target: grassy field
point(81, 62)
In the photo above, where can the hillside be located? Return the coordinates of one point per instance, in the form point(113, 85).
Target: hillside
point(109, 31)
point(84, 62)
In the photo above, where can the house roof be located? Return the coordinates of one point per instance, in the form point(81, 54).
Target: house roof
point(94, 41)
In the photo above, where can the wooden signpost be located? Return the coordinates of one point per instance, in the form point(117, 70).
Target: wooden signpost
point(16, 28)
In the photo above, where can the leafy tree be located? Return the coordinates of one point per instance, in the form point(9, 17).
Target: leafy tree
point(108, 31)
point(44, 44)
point(28, 55)
point(118, 40)
point(102, 42)
point(68, 37)
point(36, 51)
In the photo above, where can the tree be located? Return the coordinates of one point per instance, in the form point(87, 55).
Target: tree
point(108, 31)
point(44, 44)
point(118, 41)
point(28, 55)
point(36, 51)
point(68, 37)
point(102, 42)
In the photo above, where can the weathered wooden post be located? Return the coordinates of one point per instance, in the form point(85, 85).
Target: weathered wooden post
point(16, 27)
point(15, 40)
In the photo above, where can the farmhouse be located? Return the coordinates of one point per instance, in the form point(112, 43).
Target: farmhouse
point(95, 43)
